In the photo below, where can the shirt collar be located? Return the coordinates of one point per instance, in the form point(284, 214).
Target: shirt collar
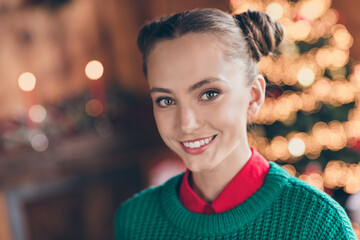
point(245, 183)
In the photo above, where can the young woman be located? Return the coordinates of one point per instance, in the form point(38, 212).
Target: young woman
point(201, 68)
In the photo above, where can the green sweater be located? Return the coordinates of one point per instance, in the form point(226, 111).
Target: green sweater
point(283, 208)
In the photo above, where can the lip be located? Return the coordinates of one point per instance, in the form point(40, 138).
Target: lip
point(199, 150)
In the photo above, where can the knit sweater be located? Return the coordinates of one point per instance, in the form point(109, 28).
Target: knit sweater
point(283, 208)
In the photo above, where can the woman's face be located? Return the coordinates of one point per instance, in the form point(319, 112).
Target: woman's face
point(201, 101)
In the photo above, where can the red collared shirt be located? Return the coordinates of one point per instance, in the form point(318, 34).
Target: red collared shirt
point(246, 182)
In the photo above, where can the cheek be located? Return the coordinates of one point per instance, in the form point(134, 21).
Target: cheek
point(159, 122)
point(229, 114)
point(163, 123)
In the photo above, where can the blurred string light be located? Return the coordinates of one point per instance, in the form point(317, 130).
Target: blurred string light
point(313, 20)
point(336, 174)
point(341, 37)
point(315, 179)
point(324, 90)
point(316, 60)
point(94, 108)
point(38, 141)
point(94, 70)
point(98, 103)
point(104, 128)
point(37, 113)
point(296, 147)
point(333, 136)
point(275, 10)
point(340, 174)
point(290, 168)
point(310, 21)
point(306, 77)
point(299, 30)
point(279, 148)
point(27, 81)
point(312, 10)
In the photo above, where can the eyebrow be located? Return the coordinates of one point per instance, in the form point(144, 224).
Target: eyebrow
point(191, 89)
point(203, 82)
point(161, 90)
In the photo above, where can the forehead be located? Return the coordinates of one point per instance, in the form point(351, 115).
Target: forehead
point(191, 57)
point(191, 41)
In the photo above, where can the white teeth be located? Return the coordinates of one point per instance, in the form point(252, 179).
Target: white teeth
point(197, 144)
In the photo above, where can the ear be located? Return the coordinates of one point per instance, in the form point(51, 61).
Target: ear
point(257, 95)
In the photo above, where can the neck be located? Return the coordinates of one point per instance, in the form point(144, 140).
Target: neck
point(209, 184)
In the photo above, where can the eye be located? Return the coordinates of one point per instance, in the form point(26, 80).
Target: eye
point(164, 102)
point(209, 95)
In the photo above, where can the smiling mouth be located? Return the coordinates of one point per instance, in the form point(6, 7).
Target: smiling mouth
point(198, 143)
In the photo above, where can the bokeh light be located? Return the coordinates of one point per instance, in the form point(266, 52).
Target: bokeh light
point(339, 57)
point(105, 128)
point(27, 81)
point(94, 70)
point(94, 108)
point(296, 147)
point(312, 10)
point(306, 77)
point(290, 168)
point(340, 174)
point(279, 146)
point(37, 113)
point(275, 10)
point(314, 179)
point(341, 36)
point(39, 142)
point(300, 30)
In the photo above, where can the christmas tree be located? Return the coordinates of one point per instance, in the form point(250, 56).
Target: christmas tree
point(310, 121)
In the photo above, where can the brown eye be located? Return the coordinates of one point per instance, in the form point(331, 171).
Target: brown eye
point(165, 102)
point(209, 95)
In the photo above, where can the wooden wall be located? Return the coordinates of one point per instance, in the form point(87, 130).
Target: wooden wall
point(71, 190)
point(56, 43)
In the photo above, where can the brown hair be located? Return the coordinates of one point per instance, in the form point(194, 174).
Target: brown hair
point(246, 37)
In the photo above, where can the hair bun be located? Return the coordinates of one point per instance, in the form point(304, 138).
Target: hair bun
point(262, 33)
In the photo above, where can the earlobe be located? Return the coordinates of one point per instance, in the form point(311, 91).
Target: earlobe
point(257, 95)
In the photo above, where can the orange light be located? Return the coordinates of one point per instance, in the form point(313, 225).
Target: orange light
point(290, 168)
point(27, 81)
point(342, 37)
point(94, 70)
point(312, 10)
point(94, 108)
point(275, 10)
point(300, 30)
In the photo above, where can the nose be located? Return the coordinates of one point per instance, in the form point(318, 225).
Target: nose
point(188, 119)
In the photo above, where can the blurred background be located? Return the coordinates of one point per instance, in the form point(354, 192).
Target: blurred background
point(76, 125)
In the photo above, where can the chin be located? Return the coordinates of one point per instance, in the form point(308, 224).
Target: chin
point(194, 166)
